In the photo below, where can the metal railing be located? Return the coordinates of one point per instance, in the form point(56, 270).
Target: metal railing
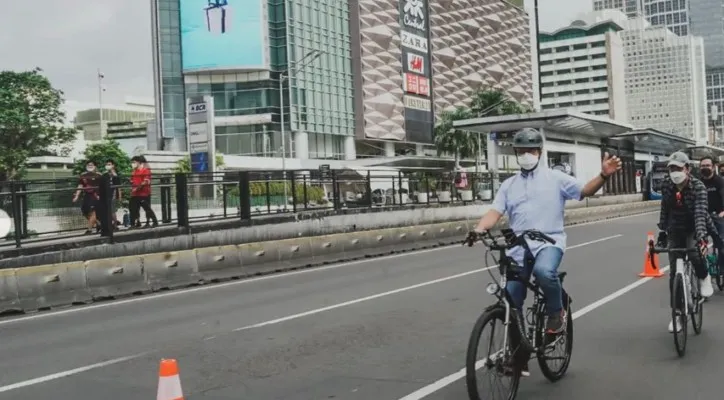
point(43, 211)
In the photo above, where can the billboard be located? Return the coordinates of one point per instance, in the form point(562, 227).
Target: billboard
point(416, 70)
point(224, 34)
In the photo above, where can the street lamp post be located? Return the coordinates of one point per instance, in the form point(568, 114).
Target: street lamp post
point(100, 100)
point(284, 75)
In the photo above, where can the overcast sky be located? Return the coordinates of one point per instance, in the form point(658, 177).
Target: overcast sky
point(71, 39)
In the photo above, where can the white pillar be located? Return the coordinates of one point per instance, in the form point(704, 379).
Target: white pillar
point(419, 150)
point(389, 149)
point(350, 150)
point(301, 145)
point(492, 154)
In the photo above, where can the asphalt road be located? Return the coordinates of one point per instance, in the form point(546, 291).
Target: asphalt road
point(384, 329)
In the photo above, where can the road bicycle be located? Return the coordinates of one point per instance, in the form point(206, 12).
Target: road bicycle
point(712, 261)
point(686, 300)
point(519, 344)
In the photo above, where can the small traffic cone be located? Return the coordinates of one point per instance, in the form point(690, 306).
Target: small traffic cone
point(651, 269)
point(169, 382)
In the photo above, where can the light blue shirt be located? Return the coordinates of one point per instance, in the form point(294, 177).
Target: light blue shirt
point(537, 200)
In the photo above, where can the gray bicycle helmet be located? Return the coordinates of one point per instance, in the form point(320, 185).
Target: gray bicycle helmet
point(528, 138)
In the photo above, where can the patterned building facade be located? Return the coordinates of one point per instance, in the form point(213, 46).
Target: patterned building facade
point(471, 43)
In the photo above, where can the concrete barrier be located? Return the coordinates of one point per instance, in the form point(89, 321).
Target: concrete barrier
point(113, 277)
point(171, 270)
point(9, 297)
point(61, 284)
point(49, 286)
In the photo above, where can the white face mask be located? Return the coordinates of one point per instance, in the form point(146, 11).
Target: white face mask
point(90, 169)
point(677, 177)
point(134, 165)
point(527, 161)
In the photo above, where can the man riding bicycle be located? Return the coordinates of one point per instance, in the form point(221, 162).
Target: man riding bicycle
point(684, 220)
point(715, 190)
point(523, 197)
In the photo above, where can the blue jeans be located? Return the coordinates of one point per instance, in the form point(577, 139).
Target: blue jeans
point(545, 270)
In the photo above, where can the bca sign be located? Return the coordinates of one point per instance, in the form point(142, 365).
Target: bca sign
point(197, 108)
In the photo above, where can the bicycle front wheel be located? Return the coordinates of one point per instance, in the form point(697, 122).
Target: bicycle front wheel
point(496, 359)
point(679, 315)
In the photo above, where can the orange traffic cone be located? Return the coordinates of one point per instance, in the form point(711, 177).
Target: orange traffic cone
point(651, 261)
point(169, 382)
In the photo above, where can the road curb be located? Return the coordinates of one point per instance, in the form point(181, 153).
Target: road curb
point(43, 287)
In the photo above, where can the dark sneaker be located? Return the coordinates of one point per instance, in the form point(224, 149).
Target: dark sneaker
point(556, 323)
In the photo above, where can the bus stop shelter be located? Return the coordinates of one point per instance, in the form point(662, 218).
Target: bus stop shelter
point(575, 137)
point(652, 145)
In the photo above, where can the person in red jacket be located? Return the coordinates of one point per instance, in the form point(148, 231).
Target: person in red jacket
point(140, 192)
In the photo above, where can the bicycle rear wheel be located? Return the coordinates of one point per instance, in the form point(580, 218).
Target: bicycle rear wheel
point(679, 315)
point(496, 360)
point(548, 354)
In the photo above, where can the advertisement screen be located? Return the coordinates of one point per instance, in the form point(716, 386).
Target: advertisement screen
point(223, 34)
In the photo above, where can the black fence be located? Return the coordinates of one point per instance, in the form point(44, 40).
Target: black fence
point(43, 211)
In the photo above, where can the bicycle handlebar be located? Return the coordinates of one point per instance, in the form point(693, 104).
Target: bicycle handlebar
point(656, 249)
point(511, 240)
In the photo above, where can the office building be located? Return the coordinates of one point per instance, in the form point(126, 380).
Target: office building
point(94, 127)
point(665, 80)
point(706, 21)
point(582, 68)
point(632, 8)
point(357, 75)
point(672, 14)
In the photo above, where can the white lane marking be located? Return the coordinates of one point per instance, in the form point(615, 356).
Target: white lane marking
point(391, 292)
point(448, 380)
point(213, 286)
point(64, 374)
point(59, 375)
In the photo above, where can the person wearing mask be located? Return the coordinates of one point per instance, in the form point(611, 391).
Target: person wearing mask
point(522, 197)
point(684, 220)
point(88, 185)
point(115, 180)
point(140, 192)
point(715, 190)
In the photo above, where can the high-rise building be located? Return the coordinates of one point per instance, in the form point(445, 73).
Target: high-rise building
point(632, 8)
point(582, 67)
point(665, 79)
point(706, 21)
point(356, 75)
point(672, 14)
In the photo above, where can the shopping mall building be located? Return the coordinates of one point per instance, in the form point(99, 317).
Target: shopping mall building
point(360, 78)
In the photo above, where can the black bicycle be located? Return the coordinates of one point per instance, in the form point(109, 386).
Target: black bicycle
point(712, 261)
point(519, 344)
point(686, 300)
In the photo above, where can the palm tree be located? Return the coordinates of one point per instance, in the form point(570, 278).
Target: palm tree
point(492, 102)
point(461, 144)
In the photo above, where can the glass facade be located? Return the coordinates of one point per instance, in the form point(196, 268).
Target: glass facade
point(171, 76)
point(672, 14)
point(321, 88)
point(319, 103)
point(707, 21)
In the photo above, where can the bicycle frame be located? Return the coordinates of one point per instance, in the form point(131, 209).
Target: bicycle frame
point(682, 268)
point(499, 290)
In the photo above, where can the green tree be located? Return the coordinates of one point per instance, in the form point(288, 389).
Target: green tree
point(31, 119)
point(100, 152)
point(490, 102)
point(462, 144)
point(184, 165)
